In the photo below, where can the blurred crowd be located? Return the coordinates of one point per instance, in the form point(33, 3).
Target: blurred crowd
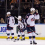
point(25, 5)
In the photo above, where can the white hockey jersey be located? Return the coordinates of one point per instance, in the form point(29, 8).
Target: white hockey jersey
point(31, 20)
point(20, 24)
point(11, 21)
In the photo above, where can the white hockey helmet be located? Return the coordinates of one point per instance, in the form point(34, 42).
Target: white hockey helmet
point(19, 17)
point(32, 9)
point(8, 13)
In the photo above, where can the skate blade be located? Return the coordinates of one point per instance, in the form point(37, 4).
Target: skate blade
point(34, 44)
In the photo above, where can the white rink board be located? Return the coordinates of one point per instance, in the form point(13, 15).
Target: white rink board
point(3, 28)
point(40, 28)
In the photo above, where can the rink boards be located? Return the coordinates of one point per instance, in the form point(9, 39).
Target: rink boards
point(40, 28)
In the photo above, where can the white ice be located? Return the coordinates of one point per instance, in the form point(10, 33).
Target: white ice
point(26, 42)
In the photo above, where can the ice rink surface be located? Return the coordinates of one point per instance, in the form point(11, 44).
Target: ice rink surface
point(26, 42)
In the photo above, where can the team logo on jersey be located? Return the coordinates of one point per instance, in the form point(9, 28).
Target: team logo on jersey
point(33, 19)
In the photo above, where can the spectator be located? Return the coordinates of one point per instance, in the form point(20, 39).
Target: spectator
point(28, 8)
point(41, 19)
point(12, 6)
point(28, 5)
point(25, 9)
point(2, 20)
point(37, 5)
point(44, 21)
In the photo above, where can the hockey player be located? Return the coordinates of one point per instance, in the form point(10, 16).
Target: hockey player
point(10, 25)
point(31, 25)
point(21, 28)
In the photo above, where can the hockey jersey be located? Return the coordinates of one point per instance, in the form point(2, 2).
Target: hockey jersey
point(27, 16)
point(30, 20)
point(21, 24)
point(10, 21)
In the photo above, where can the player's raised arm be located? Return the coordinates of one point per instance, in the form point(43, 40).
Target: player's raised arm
point(37, 16)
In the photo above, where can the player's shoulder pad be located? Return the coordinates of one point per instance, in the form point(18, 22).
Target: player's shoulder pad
point(28, 15)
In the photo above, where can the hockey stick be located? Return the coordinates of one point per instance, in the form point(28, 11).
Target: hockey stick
point(35, 32)
point(16, 17)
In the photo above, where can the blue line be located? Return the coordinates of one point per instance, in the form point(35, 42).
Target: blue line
point(17, 24)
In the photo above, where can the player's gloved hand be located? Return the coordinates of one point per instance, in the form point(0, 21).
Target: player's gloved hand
point(18, 27)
